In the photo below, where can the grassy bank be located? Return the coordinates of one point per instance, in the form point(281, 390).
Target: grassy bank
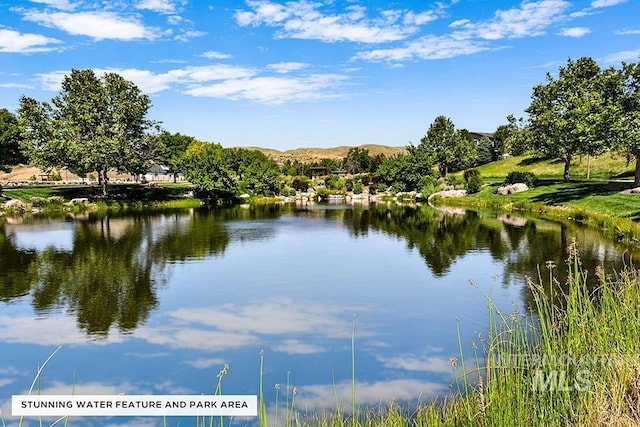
point(596, 204)
point(121, 196)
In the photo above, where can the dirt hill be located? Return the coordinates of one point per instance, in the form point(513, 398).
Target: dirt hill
point(309, 155)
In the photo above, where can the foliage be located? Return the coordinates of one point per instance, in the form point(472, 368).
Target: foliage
point(515, 177)
point(205, 166)
point(451, 149)
point(93, 124)
point(300, 183)
point(627, 123)
point(357, 160)
point(472, 180)
point(406, 172)
point(10, 152)
point(484, 151)
point(254, 169)
point(571, 114)
point(174, 146)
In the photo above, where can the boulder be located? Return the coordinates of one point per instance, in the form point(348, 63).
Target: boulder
point(15, 205)
point(448, 193)
point(511, 188)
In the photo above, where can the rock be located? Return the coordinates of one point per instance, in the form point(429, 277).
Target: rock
point(15, 205)
point(448, 193)
point(79, 200)
point(512, 188)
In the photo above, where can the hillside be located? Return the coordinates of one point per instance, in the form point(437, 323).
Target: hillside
point(309, 155)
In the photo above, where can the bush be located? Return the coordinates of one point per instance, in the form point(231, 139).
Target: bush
point(358, 187)
point(428, 186)
point(515, 177)
point(38, 201)
point(472, 181)
point(55, 200)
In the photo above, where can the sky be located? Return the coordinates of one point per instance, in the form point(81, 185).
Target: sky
point(303, 73)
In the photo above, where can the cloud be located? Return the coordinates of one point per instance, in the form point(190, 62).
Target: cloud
point(58, 4)
point(429, 47)
point(274, 90)
point(627, 32)
point(50, 331)
point(14, 42)
point(574, 32)
point(160, 6)
point(212, 54)
point(528, 20)
point(304, 20)
point(296, 347)
point(187, 35)
point(423, 363)
point(606, 3)
point(286, 67)
point(369, 393)
point(97, 25)
point(626, 56)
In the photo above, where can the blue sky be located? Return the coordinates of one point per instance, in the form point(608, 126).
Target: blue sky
point(288, 74)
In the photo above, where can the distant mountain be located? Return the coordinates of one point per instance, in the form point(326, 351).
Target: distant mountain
point(310, 155)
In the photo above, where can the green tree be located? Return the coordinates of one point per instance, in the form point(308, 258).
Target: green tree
point(452, 150)
point(205, 166)
point(485, 151)
point(10, 152)
point(357, 160)
point(174, 147)
point(571, 114)
point(627, 123)
point(258, 172)
point(406, 171)
point(93, 124)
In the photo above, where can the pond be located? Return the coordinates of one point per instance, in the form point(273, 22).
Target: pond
point(159, 302)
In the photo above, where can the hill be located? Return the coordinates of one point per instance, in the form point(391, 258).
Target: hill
point(310, 155)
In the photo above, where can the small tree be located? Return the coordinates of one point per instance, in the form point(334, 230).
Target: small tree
point(472, 180)
point(205, 167)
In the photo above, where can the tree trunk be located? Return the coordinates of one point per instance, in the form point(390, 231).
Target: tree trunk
point(636, 181)
point(104, 183)
point(567, 163)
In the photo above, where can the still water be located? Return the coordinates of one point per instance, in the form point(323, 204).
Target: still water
point(160, 302)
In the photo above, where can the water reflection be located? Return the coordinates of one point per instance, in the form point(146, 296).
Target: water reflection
point(106, 269)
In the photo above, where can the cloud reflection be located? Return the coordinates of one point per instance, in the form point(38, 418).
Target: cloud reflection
point(368, 393)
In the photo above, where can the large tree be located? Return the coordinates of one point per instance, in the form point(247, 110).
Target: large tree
point(206, 166)
point(10, 153)
point(174, 147)
point(93, 124)
point(627, 124)
point(451, 149)
point(571, 114)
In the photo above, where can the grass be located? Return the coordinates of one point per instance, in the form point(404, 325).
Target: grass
point(606, 166)
point(596, 204)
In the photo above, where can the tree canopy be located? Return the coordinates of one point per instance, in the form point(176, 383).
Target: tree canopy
point(10, 152)
point(93, 124)
point(451, 149)
point(571, 114)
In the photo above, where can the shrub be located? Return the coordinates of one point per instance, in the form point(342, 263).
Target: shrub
point(55, 200)
point(358, 187)
point(428, 186)
point(300, 183)
point(453, 180)
point(472, 181)
point(515, 177)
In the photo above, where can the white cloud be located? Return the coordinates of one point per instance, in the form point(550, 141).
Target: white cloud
point(15, 42)
point(58, 4)
point(296, 347)
point(273, 90)
point(626, 56)
point(98, 25)
point(212, 54)
point(303, 20)
point(606, 3)
point(424, 363)
point(574, 32)
point(160, 6)
point(287, 67)
point(429, 47)
point(325, 395)
point(530, 19)
point(189, 34)
point(627, 32)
